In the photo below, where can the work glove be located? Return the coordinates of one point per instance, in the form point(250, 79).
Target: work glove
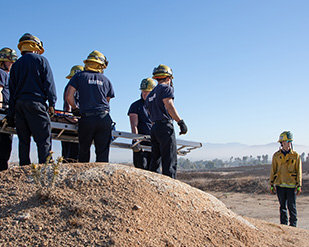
point(273, 190)
point(183, 127)
point(10, 121)
point(76, 112)
point(298, 190)
point(51, 111)
point(136, 148)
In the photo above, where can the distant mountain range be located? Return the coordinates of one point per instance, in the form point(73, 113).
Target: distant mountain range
point(208, 151)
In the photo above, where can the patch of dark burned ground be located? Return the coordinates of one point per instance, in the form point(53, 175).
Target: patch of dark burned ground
point(244, 179)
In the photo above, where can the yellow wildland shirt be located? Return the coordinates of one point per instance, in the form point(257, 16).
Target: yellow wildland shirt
point(286, 170)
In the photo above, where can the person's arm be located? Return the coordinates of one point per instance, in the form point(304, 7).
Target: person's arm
point(1, 97)
point(169, 104)
point(299, 175)
point(49, 84)
point(70, 96)
point(273, 174)
point(299, 171)
point(133, 122)
point(67, 106)
point(108, 99)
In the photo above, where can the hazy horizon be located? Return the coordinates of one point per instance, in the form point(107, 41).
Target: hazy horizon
point(208, 151)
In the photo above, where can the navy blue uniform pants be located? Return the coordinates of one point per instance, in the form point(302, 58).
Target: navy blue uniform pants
point(70, 151)
point(142, 159)
point(97, 129)
point(287, 200)
point(32, 119)
point(5, 150)
point(164, 149)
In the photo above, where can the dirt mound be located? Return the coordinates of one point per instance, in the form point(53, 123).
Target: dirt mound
point(116, 205)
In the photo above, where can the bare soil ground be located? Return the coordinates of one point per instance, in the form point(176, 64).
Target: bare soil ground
point(116, 205)
point(245, 190)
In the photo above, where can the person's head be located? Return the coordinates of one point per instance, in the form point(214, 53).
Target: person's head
point(7, 57)
point(75, 69)
point(96, 62)
point(163, 74)
point(285, 140)
point(146, 87)
point(29, 43)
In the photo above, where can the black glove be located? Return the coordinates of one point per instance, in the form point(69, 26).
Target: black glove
point(9, 120)
point(183, 127)
point(76, 112)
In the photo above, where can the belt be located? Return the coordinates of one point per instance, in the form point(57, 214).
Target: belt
point(96, 113)
point(164, 121)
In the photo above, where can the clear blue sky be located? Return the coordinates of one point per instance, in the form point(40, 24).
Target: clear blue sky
point(240, 67)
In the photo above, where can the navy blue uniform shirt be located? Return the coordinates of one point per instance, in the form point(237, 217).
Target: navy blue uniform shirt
point(155, 104)
point(144, 124)
point(4, 82)
point(31, 78)
point(93, 89)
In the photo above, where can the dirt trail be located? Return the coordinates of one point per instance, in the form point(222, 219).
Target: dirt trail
point(263, 206)
point(245, 190)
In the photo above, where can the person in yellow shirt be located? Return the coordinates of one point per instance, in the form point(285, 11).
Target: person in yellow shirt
point(286, 178)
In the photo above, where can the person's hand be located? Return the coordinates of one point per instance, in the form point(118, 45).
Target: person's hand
point(136, 147)
point(51, 111)
point(298, 190)
point(76, 112)
point(183, 127)
point(273, 190)
point(10, 121)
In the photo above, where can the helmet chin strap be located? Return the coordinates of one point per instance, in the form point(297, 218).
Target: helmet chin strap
point(171, 83)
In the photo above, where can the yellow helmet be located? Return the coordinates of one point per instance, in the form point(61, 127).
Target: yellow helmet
point(74, 70)
point(29, 42)
point(162, 71)
point(97, 57)
point(286, 136)
point(147, 84)
point(8, 54)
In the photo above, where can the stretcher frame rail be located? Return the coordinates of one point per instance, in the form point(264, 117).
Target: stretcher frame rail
point(65, 129)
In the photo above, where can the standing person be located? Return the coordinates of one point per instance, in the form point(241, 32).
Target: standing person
point(160, 103)
point(141, 124)
point(7, 58)
point(95, 91)
point(31, 85)
point(286, 178)
point(69, 149)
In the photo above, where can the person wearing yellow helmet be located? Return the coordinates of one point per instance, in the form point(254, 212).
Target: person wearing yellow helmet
point(141, 124)
point(162, 112)
point(70, 150)
point(7, 58)
point(95, 91)
point(286, 178)
point(30, 43)
point(31, 85)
